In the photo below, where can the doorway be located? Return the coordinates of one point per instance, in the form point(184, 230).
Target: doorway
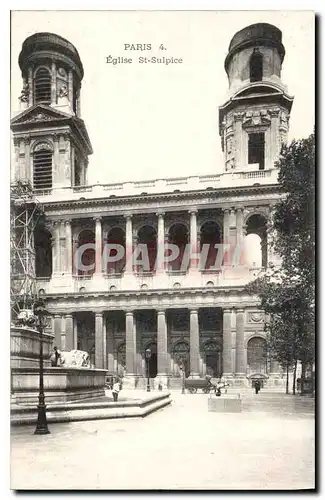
point(211, 361)
point(153, 369)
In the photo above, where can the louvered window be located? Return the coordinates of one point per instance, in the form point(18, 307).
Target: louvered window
point(42, 86)
point(43, 169)
point(256, 67)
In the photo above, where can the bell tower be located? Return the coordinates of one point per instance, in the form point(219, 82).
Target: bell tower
point(51, 143)
point(254, 121)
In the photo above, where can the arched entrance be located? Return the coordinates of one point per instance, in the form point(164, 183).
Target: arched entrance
point(257, 355)
point(181, 358)
point(212, 358)
point(153, 364)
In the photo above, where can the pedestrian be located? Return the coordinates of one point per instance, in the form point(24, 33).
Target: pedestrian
point(55, 357)
point(116, 389)
point(257, 386)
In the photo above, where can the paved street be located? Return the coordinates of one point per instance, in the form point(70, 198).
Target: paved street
point(270, 445)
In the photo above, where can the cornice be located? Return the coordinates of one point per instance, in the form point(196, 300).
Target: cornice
point(221, 196)
point(222, 292)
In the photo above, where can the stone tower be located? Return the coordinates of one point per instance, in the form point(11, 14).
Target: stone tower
point(51, 143)
point(253, 123)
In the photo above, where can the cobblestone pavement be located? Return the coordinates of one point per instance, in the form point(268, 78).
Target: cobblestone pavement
point(270, 445)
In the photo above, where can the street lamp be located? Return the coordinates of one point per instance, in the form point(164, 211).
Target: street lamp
point(182, 367)
point(41, 312)
point(148, 356)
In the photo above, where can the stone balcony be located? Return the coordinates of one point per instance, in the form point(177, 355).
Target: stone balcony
point(167, 280)
point(247, 177)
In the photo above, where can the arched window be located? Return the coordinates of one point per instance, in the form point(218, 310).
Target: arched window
point(42, 167)
point(256, 66)
point(42, 86)
point(178, 235)
point(255, 248)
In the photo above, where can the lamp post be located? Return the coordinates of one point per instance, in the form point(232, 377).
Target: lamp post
point(148, 356)
point(41, 426)
point(182, 367)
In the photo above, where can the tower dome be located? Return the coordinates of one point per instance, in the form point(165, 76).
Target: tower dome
point(255, 54)
point(52, 70)
point(50, 138)
point(254, 121)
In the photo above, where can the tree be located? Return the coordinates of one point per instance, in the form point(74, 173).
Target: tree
point(287, 293)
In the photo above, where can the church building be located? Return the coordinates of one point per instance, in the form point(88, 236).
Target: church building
point(132, 265)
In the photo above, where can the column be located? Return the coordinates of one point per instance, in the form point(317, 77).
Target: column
point(130, 343)
point(104, 344)
point(128, 243)
point(68, 246)
point(56, 248)
point(194, 257)
point(274, 150)
point(63, 337)
point(227, 344)
point(161, 243)
point(162, 342)
point(53, 83)
point(232, 237)
point(109, 346)
point(99, 355)
point(27, 158)
point(194, 343)
point(240, 343)
point(56, 161)
point(239, 160)
point(30, 86)
point(75, 333)
point(240, 246)
point(70, 87)
point(98, 244)
point(226, 239)
point(57, 331)
point(69, 340)
point(75, 245)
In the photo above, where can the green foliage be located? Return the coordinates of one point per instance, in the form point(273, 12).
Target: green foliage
point(287, 294)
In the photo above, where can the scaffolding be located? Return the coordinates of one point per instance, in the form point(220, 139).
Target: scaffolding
point(25, 213)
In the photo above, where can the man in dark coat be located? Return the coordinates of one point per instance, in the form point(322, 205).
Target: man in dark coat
point(257, 386)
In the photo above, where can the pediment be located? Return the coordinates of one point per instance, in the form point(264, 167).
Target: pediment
point(39, 113)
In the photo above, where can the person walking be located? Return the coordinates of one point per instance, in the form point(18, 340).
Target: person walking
point(257, 386)
point(116, 389)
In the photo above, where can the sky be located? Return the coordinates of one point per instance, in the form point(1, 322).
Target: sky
point(149, 121)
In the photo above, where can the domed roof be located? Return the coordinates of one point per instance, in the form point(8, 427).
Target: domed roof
point(42, 44)
point(256, 34)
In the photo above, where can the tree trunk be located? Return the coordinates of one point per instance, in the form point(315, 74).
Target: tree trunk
point(303, 377)
point(287, 380)
point(294, 378)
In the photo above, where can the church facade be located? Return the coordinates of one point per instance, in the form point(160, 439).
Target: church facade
point(159, 264)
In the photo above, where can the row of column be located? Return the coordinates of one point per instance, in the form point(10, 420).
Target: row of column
point(65, 331)
point(233, 230)
point(162, 349)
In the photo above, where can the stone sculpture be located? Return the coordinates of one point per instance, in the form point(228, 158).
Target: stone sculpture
point(74, 359)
